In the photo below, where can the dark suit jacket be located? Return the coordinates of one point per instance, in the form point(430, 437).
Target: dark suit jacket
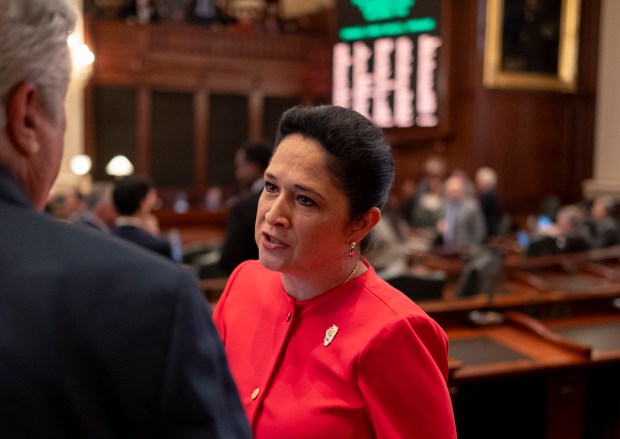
point(605, 232)
point(492, 211)
point(144, 239)
point(91, 220)
point(240, 244)
point(102, 339)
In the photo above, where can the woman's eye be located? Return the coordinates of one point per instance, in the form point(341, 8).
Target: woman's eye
point(269, 187)
point(305, 201)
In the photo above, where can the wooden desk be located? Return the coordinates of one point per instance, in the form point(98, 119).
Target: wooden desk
point(195, 226)
point(542, 286)
point(537, 381)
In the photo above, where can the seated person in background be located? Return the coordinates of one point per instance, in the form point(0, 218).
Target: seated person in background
point(100, 212)
point(461, 221)
point(75, 204)
point(486, 184)
point(569, 234)
point(388, 250)
point(134, 198)
point(427, 208)
point(602, 223)
point(435, 169)
point(251, 160)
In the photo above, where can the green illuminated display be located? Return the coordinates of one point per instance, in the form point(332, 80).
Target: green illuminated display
point(390, 29)
point(375, 10)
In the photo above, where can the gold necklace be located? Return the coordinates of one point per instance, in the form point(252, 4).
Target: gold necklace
point(352, 273)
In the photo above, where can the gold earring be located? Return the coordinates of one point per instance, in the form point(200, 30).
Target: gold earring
point(352, 249)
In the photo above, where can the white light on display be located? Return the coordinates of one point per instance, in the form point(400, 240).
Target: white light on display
point(386, 65)
point(403, 95)
point(427, 66)
point(375, 79)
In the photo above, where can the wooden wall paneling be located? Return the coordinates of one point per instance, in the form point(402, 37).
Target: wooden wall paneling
point(143, 134)
point(273, 109)
point(172, 140)
point(114, 115)
point(228, 121)
point(201, 114)
point(206, 62)
point(465, 76)
point(538, 141)
point(256, 104)
point(585, 113)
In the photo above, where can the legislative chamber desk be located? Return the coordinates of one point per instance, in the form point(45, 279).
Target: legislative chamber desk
point(538, 357)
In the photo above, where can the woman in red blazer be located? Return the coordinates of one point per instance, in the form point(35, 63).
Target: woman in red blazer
point(319, 345)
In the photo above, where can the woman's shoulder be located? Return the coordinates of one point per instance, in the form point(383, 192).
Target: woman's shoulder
point(387, 298)
point(396, 317)
point(252, 276)
point(380, 303)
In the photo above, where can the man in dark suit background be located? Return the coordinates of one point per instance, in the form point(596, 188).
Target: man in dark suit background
point(486, 188)
point(251, 160)
point(98, 338)
point(603, 224)
point(134, 197)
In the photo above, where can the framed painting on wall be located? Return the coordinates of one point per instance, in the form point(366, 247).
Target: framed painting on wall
point(532, 44)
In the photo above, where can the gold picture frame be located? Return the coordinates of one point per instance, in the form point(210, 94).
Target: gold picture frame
point(532, 44)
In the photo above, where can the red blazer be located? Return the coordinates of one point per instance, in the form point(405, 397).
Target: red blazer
point(382, 375)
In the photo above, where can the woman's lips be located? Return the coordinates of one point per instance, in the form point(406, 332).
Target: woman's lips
point(270, 242)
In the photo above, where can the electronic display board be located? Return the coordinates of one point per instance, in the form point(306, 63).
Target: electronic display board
point(386, 62)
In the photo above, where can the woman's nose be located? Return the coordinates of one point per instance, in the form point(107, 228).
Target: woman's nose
point(277, 213)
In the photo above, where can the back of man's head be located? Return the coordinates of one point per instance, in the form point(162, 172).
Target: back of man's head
point(33, 47)
point(129, 192)
point(258, 153)
point(35, 66)
point(485, 179)
point(455, 188)
point(251, 160)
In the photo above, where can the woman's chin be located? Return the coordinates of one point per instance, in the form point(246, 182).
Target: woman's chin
point(270, 263)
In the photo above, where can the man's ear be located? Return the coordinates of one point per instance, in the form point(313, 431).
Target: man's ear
point(362, 226)
point(22, 119)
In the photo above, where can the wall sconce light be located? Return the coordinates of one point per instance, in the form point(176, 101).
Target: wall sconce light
point(81, 56)
point(119, 166)
point(80, 164)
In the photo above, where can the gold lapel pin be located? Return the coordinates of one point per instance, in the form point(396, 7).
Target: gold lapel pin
point(330, 334)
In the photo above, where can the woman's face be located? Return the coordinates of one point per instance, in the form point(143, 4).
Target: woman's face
point(302, 220)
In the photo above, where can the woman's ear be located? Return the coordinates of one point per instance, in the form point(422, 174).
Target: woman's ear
point(362, 226)
point(22, 116)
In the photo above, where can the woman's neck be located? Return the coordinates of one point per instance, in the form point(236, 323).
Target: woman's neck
point(308, 287)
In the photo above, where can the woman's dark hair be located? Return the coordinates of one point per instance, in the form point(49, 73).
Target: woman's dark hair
point(360, 158)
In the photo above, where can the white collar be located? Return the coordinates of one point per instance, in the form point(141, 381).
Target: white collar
point(129, 221)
